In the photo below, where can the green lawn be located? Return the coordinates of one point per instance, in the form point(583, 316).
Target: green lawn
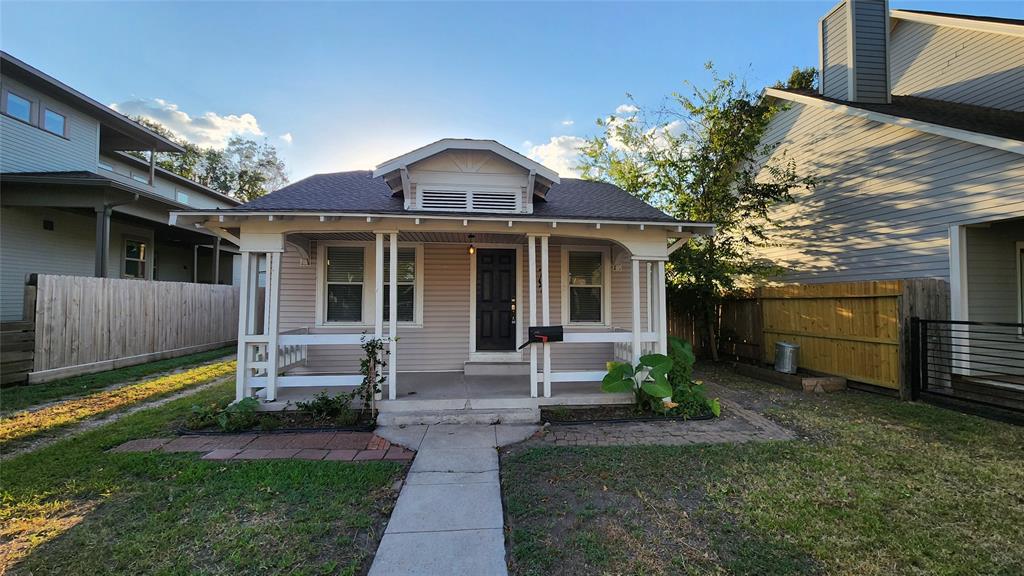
point(874, 487)
point(74, 508)
point(20, 397)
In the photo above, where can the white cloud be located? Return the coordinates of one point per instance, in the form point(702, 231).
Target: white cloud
point(208, 129)
point(626, 109)
point(568, 122)
point(561, 154)
point(287, 137)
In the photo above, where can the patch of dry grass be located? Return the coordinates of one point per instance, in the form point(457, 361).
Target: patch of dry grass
point(23, 425)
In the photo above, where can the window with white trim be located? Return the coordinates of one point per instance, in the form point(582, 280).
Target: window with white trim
point(585, 280)
point(345, 274)
point(17, 106)
point(134, 258)
point(54, 122)
point(406, 284)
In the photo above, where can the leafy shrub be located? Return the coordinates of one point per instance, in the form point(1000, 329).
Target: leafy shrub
point(324, 408)
point(663, 384)
point(240, 415)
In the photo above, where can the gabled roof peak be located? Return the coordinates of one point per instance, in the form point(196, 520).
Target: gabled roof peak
point(465, 144)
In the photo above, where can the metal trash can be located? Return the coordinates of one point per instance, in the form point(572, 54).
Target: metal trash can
point(786, 355)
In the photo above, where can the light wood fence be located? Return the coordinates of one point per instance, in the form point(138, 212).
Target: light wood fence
point(852, 329)
point(89, 324)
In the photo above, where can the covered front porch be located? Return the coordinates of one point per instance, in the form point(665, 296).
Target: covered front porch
point(454, 314)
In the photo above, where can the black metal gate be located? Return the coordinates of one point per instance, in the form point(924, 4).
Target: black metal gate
point(975, 363)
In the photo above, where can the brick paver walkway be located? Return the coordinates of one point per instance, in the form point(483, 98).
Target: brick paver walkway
point(348, 446)
point(737, 424)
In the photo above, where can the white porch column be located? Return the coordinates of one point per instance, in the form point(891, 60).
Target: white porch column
point(650, 297)
point(546, 305)
point(273, 309)
point(531, 243)
point(636, 310)
point(662, 310)
point(244, 312)
point(393, 317)
point(378, 287)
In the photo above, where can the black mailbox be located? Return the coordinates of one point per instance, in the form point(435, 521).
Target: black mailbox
point(540, 334)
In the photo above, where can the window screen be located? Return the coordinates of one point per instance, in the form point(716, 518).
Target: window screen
point(344, 284)
point(586, 285)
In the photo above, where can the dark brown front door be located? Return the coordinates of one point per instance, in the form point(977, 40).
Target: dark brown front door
point(495, 299)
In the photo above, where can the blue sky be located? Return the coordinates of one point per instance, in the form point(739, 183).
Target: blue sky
point(339, 86)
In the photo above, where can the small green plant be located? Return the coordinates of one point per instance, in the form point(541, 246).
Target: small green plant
point(373, 367)
point(240, 415)
point(337, 409)
point(689, 397)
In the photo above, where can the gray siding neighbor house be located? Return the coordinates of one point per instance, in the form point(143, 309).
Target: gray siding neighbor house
point(75, 203)
point(925, 183)
point(924, 180)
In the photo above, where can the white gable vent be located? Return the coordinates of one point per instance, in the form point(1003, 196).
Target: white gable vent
point(451, 199)
point(434, 199)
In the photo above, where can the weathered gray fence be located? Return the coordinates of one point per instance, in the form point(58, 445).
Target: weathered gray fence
point(90, 324)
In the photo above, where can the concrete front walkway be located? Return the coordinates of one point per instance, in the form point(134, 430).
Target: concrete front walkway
point(448, 518)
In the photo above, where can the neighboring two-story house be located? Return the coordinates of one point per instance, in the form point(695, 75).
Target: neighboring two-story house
point(485, 243)
point(916, 135)
point(74, 203)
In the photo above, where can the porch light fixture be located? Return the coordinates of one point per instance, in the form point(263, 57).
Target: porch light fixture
point(472, 249)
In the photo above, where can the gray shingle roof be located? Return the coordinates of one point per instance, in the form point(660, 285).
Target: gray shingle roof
point(358, 191)
point(991, 121)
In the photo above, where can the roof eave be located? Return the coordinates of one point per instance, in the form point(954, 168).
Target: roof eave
point(997, 142)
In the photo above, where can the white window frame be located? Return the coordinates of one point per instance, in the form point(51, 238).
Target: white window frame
point(42, 121)
point(147, 267)
point(606, 293)
point(369, 284)
point(33, 107)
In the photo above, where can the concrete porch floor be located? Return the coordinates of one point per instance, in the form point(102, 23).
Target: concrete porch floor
point(454, 391)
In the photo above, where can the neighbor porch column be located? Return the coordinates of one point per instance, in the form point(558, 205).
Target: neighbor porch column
point(393, 318)
point(546, 304)
point(102, 240)
point(273, 299)
point(636, 310)
point(662, 310)
point(531, 244)
point(216, 260)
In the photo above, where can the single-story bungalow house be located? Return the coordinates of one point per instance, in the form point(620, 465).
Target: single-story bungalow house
point(486, 243)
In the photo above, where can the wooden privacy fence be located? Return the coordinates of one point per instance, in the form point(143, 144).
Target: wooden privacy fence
point(853, 329)
point(89, 324)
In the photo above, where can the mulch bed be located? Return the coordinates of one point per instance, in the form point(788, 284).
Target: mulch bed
point(288, 422)
point(608, 415)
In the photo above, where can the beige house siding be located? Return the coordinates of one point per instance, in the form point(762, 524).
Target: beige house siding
point(887, 197)
point(992, 271)
point(958, 65)
point(442, 343)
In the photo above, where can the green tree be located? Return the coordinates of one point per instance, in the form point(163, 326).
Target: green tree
point(699, 158)
point(801, 79)
point(244, 169)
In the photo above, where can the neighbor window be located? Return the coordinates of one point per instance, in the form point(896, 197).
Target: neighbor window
point(134, 259)
point(344, 290)
point(18, 107)
point(53, 122)
point(586, 286)
point(406, 284)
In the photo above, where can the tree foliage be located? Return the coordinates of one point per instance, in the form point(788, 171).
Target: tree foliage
point(245, 169)
point(699, 158)
point(800, 78)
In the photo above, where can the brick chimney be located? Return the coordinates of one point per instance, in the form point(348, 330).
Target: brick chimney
point(854, 52)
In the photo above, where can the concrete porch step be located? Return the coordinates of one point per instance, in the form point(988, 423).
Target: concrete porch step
point(463, 416)
point(496, 368)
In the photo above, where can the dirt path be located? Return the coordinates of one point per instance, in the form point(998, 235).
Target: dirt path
point(39, 442)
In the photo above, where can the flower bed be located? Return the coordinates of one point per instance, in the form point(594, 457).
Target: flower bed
point(611, 415)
